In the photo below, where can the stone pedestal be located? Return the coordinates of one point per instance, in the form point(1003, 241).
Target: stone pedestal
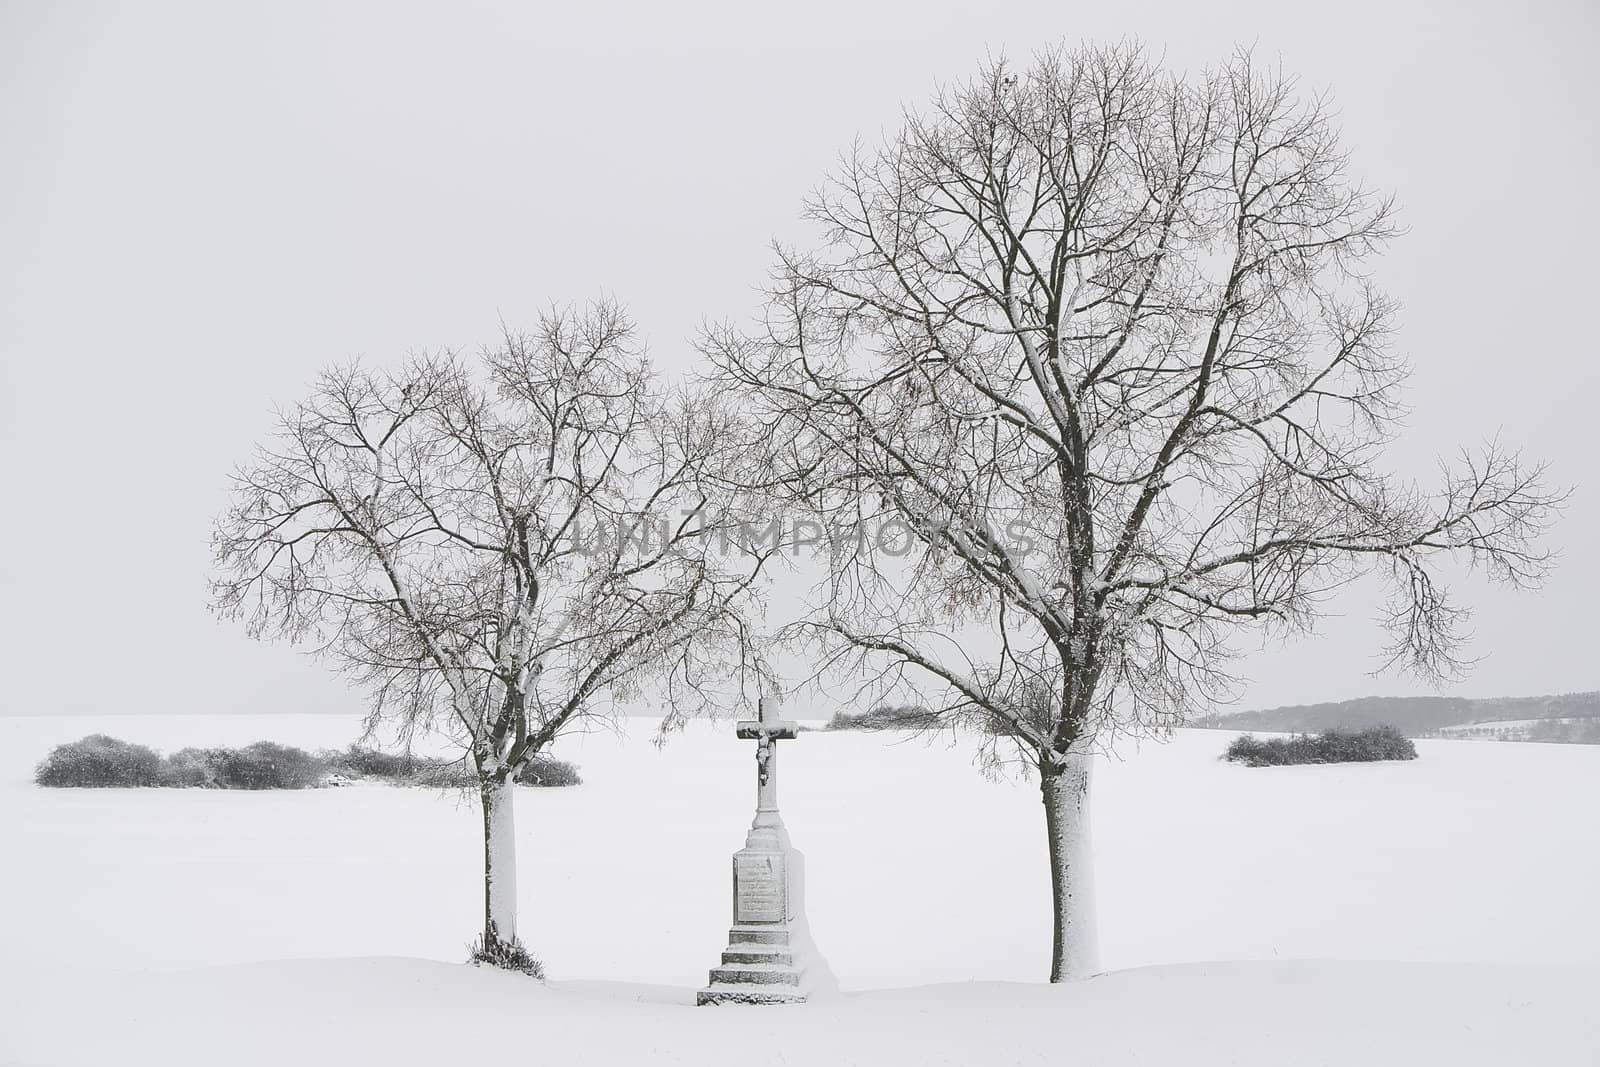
point(770, 958)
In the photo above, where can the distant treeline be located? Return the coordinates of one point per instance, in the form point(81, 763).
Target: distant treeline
point(1432, 716)
point(1575, 731)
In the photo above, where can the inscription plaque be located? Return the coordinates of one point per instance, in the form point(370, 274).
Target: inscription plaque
point(760, 887)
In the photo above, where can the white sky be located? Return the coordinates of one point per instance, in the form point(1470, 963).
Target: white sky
point(200, 207)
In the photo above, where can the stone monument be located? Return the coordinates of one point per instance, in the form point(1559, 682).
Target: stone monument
point(770, 958)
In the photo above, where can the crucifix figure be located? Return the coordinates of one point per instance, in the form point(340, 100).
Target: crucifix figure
point(767, 729)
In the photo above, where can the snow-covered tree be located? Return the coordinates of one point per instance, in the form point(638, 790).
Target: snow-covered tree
point(1098, 341)
point(498, 549)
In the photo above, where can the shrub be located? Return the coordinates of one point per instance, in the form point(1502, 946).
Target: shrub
point(549, 771)
point(885, 717)
point(511, 957)
point(98, 762)
point(194, 768)
point(1331, 746)
point(359, 761)
point(459, 774)
point(267, 765)
point(441, 774)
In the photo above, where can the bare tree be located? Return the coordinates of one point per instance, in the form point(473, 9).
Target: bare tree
point(1097, 341)
point(498, 550)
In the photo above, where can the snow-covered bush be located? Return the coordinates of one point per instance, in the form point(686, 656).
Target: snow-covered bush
point(1330, 746)
point(404, 768)
point(263, 765)
point(510, 956)
point(193, 768)
point(98, 761)
point(540, 771)
point(549, 771)
point(268, 765)
point(885, 717)
point(359, 761)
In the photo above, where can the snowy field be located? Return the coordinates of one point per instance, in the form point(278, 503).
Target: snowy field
point(1456, 893)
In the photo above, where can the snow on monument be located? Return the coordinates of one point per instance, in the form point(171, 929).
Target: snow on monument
point(770, 958)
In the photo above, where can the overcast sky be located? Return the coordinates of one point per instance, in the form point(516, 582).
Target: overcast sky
point(202, 204)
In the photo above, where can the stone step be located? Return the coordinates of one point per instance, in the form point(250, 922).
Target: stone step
point(758, 935)
point(773, 954)
point(746, 995)
point(747, 974)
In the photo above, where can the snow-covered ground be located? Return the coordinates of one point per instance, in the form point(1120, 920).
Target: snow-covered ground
point(187, 926)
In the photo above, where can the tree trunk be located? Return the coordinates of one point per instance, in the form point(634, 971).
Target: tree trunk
point(499, 864)
point(1076, 952)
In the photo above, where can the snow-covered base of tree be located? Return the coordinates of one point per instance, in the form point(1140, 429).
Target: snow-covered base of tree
point(926, 888)
point(499, 813)
point(1069, 829)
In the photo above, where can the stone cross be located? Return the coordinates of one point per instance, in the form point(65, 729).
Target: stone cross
point(767, 729)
